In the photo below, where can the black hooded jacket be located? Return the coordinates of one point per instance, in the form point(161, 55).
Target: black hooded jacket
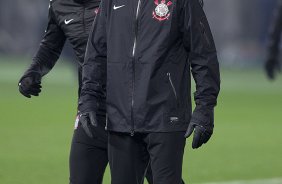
point(68, 20)
point(141, 52)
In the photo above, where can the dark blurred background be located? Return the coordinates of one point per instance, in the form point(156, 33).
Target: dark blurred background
point(240, 28)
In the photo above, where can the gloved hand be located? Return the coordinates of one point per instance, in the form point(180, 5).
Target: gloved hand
point(87, 120)
point(272, 67)
point(30, 84)
point(202, 125)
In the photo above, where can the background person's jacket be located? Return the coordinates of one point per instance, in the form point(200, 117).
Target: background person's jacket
point(142, 51)
point(275, 33)
point(68, 20)
point(273, 63)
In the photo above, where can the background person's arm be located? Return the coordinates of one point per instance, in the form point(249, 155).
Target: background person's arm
point(272, 62)
point(46, 57)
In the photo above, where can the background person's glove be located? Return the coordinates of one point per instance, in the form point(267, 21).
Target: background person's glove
point(202, 125)
point(87, 120)
point(272, 67)
point(30, 84)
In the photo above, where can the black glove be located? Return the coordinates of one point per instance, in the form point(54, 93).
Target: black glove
point(87, 120)
point(202, 125)
point(30, 84)
point(272, 67)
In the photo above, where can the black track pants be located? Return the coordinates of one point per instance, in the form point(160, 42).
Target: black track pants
point(149, 175)
point(129, 157)
point(89, 156)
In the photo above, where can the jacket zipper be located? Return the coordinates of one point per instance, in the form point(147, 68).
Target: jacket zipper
point(133, 65)
point(172, 85)
point(136, 28)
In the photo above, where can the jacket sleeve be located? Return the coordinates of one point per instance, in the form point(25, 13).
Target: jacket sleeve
point(275, 33)
point(95, 64)
point(198, 41)
point(50, 48)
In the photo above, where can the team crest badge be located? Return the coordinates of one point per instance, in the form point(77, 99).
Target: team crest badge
point(162, 12)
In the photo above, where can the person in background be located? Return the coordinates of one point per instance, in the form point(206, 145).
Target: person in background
point(71, 20)
point(272, 64)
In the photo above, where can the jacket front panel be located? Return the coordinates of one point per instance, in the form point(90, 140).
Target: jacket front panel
point(145, 72)
point(141, 49)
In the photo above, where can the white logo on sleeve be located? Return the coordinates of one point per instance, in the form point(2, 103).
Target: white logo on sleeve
point(68, 21)
point(117, 7)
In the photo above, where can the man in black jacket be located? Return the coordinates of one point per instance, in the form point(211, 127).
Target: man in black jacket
point(143, 51)
point(272, 65)
point(72, 20)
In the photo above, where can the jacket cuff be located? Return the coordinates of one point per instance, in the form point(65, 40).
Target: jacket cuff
point(88, 103)
point(32, 73)
point(203, 115)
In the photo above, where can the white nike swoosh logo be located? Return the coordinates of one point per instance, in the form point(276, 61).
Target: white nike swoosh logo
point(117, 7)
point(68, 21)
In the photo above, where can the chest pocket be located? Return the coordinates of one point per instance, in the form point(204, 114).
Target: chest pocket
point(120, 33)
